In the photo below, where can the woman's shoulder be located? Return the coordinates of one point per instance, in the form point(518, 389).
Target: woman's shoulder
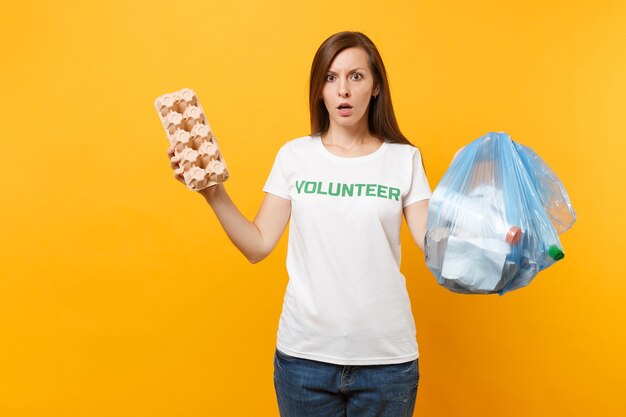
point(299, 144)
point(402, 148)
point(301, 141)
point(294, 149)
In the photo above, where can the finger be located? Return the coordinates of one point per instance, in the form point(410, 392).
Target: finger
point(178, 174)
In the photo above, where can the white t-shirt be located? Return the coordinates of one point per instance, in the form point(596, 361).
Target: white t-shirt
point(346, 302)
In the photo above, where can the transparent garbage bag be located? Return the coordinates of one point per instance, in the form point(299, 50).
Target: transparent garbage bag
point(493, 220)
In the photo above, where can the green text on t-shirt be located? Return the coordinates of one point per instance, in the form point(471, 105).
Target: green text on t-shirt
point(347, 190)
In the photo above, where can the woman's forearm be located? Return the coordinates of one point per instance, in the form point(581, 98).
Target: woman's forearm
point(244, 234)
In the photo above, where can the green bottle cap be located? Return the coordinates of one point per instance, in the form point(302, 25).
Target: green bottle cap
point(555, 253)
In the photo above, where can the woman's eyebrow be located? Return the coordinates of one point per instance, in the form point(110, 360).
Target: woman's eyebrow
point(352, 70)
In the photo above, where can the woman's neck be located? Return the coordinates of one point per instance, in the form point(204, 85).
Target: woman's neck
point(348, 138)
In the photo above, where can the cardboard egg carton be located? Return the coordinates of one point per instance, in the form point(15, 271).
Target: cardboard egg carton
point(189, 132)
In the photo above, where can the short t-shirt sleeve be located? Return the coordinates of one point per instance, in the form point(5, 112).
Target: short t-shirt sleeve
point(420, 189)
point(277, 182)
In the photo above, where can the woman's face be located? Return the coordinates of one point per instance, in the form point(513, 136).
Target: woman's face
point(348, 87)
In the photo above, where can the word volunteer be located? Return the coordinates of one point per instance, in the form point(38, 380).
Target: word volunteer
point(347, 190)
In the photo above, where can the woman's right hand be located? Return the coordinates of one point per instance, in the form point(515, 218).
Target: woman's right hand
point(174, 160)
point(178, 174)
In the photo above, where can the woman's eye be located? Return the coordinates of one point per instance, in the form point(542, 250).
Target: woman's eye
point(356, 76)
point(330, 77)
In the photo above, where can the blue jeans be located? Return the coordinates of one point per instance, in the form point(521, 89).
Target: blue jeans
point(306, 388)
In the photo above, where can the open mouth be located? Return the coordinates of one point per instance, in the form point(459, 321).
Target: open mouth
point(344, 106)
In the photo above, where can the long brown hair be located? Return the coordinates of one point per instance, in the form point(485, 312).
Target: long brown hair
point(381, 119)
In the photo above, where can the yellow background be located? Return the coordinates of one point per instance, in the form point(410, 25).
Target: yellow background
point(120, 295)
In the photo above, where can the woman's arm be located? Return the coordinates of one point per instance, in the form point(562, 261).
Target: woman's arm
point(415, 215)
point(255, 239)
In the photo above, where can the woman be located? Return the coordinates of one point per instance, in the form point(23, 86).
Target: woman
point(346, 341)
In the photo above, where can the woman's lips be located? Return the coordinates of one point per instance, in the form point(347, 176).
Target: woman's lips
point(344, 110)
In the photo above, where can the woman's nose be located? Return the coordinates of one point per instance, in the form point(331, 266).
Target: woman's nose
point(344, 91)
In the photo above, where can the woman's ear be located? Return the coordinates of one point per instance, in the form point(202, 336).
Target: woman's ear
point(376, 91)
